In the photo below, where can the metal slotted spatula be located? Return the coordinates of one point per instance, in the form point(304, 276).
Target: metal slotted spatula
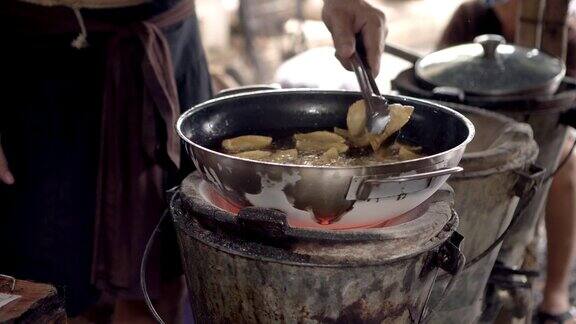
point(377, 112)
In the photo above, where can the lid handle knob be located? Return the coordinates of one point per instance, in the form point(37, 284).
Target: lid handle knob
point(489, 43)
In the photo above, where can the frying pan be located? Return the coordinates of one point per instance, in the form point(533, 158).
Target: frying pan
point(321, 196)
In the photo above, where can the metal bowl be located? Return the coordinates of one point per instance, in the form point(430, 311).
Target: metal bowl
point(321, 196)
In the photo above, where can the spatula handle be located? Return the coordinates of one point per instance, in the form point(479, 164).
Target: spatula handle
point(361, 50)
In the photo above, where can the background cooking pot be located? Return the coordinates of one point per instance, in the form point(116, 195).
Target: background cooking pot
point(336, 197)
point(550, 93)
point(486, 67)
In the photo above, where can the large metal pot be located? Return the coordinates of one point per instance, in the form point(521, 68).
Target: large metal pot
point(313, 196)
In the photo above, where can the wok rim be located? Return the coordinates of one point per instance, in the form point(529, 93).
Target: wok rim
point(210, 102)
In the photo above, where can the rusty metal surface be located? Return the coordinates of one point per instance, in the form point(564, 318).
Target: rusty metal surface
point(235, 279)
point(486, 208)
point(360, 246)
point(550, 137)
point(485, 202)
point(464, 302)
point(232, 289)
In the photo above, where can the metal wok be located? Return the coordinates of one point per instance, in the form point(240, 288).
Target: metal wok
point(321, 196)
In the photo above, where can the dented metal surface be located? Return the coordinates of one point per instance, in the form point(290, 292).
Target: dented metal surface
point(379, 275)
point(316, 196)
point(485, 199)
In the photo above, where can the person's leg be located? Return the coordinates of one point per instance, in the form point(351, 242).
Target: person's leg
point(169, 305)
point(561, 237)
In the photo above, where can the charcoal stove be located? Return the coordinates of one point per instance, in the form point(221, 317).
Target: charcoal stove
point(549, 115)
point(247, 265)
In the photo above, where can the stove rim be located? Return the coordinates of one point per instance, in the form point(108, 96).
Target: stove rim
point(302, 260)
point(195, 201)
point(226, 239)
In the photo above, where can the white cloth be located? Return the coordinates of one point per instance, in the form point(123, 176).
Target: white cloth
point(5, 299)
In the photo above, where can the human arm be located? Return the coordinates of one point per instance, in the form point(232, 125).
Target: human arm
point(346, 18)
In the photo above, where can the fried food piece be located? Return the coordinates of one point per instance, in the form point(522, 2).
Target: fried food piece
point(415, 149)
point(397, 152)
point(319, 142)
point(356, 119)
point(358, 135)
point(404, 153)
point(283, 156)
point(320, 136)
point(330, 155)
point(319, 147)
point(246, 143)
point(399, 116)
point(342, 132)
point(360, 141)
point(254, 155)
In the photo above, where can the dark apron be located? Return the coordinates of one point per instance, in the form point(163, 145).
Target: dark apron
point(86, 172)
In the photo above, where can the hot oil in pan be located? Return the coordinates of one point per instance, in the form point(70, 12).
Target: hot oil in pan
point(400, 150)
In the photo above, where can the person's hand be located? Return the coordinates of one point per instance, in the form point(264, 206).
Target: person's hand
point(346, 18)
point(6, 176)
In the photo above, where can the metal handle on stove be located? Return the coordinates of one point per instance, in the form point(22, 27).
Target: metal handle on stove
point(143, 267)
point(144, 262)
point(424, 175)
point(449, 258)
point(372, 187)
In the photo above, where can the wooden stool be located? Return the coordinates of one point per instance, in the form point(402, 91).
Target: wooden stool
point(39, 303)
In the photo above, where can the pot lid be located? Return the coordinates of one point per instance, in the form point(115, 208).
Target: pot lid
point(490, 67)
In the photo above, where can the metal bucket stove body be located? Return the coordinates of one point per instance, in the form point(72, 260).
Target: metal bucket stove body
point(550, 135)
point(548, 116)
point(277, 274)
point(497, 172)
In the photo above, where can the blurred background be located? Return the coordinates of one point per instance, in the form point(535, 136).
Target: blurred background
point(285, 41)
